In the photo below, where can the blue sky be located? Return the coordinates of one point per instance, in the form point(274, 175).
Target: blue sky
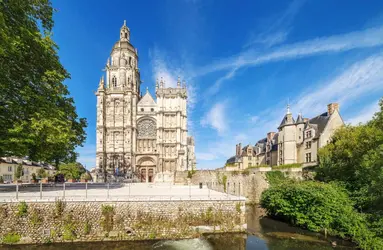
point(243, 61)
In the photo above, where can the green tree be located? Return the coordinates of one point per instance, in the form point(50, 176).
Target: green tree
point(319, 207)
point(354, 158)
point(37, 117)
point(41, 173)
point(19, 171)
point(72, 170)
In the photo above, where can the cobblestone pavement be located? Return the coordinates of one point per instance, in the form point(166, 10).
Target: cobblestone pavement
point(133, 192)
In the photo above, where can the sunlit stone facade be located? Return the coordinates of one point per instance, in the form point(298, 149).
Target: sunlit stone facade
point(138, 136)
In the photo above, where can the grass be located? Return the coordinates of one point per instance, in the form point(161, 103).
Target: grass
point(11, 238)
point(288, 166)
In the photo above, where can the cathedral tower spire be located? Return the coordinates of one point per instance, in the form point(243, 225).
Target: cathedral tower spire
point(124, 32)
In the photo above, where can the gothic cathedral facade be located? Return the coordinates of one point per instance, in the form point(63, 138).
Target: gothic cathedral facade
point(138, 136)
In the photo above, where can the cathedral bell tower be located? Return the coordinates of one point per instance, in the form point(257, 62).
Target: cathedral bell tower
point(117, 100)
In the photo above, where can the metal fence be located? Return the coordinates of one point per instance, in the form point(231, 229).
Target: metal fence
point(110, 192)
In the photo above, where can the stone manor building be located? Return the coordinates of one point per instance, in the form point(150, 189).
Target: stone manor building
point(297, 141)
point(139, 136)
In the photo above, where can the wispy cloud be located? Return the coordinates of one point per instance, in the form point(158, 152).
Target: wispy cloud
point(365, 114)
point(359, 39)
point(349, 84)
point(216, 118)
point(168, 69)
point(277, 28)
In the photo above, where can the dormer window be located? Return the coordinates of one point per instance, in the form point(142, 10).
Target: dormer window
point(308, 134)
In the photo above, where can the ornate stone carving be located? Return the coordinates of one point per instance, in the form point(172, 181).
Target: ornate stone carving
point(146, 129)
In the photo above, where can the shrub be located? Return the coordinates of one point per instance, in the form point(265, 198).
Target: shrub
point(276, 177)
point(69, 229)
point(224, 181)
point(191, 173)
point(35, 218)
point(87, 227)
point(22, 209)
point(319, 207)
point(11, 238)
point(107, 220)
point(238, 207)
point(59, 207)
point(1, 179)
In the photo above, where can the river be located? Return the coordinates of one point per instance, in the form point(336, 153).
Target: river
point(263, 234)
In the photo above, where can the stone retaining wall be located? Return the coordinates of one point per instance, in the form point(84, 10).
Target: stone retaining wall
point(249, 183)
point(45, 222)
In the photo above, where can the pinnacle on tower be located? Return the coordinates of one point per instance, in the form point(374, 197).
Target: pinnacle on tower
point(161, 83)
point(124, 32)
point(101, 83)
point(288, 109)
point(184, 84)
point(147, 90)
point(178, 82)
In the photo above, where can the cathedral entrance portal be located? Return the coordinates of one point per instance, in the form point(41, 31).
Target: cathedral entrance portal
point(147, 169)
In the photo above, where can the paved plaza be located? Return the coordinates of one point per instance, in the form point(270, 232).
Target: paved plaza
point(133, 192)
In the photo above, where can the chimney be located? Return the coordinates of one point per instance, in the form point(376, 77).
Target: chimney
point(270, 136)
point(305, 120)
point(239, 149)
point(332, 107)
point(236, 149)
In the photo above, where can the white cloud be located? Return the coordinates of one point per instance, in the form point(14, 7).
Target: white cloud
point(353, 82)
point(169, 70)
point(254, 119)
point(360, 78)
point(162, 69)
point(359, 39)
point(365, 114)
point(277, 28)
point(216, 118)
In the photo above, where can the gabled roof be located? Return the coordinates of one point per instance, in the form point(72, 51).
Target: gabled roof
point(147, 100)
point(319, 123)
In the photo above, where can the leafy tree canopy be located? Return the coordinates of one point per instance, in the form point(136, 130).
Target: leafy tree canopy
point(354, 157)
point(37, 117)
point(72, 170)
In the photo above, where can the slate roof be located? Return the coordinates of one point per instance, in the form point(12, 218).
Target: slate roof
point(25, 161)
point(284, 121)
point(233, 159)
point(319, 123)
point(299, 119)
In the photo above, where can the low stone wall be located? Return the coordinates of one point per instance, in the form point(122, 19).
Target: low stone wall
point(45, 222)
point(249, 183)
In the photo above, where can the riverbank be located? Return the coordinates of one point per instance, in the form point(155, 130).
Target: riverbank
point(264, 234)
point(74, 221)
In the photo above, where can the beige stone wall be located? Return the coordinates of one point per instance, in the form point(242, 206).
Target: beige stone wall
point(86, 221)
point(333, 124)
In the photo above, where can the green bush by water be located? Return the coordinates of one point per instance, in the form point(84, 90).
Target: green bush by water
point(319, 207)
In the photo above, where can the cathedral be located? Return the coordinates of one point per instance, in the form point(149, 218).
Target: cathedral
point(139, 137)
